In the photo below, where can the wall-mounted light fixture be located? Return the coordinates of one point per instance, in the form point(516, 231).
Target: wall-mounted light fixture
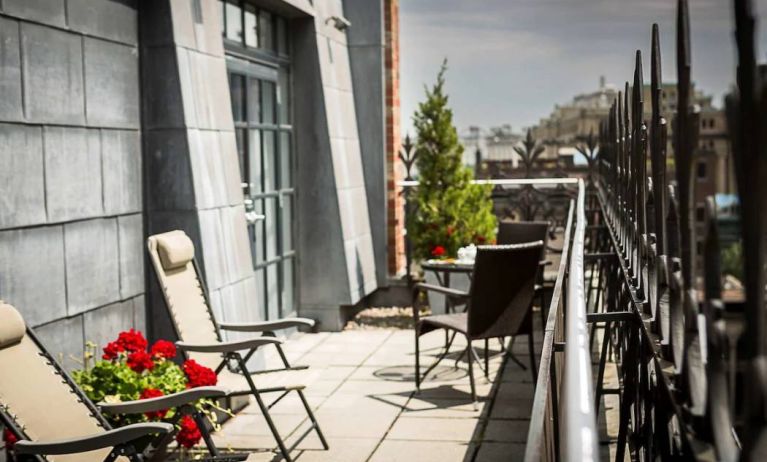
point(339, 22)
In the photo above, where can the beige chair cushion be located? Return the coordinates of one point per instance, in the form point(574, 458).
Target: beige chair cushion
point(12, 326)
point(175, 249)
point(183, 295)
point(41, 402)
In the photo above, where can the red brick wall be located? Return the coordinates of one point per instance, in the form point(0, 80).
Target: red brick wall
point(395, 223)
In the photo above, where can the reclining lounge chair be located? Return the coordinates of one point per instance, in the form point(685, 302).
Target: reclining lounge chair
point(172, 256)
point(41, 404)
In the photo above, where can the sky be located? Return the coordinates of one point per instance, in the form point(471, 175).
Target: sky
point(511, 61)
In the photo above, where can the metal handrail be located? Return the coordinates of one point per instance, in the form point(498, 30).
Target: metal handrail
point(542, 182)
point(580, 439)
point(579, 435)
point(546, 382)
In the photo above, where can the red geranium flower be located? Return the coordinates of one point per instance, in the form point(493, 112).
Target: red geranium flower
point(481, 239)
point(153, 393)
point(128, 341)
point(197, 375)
point(132, 340)
point(9, 438)
point(189, 434)
point(437, 251)
point(163, 349)
point(140, 361)
point(112, 350)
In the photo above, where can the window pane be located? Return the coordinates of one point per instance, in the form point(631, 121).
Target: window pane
point(269, 156)
point(272, 292)
point(254, 100)
point(251, 26)
point(239, 135)
point(283, 97)
point(282, 36)
point(268, 98)
point(265, 31)
point(261, 291)
point(237, 92)
point(287, 287)
point(258, 233)
point(221, 13)
point(270, 210)
point(233, 21)
point(286, 161)
point(255, 176)
point(701, 170)
point(287, 223)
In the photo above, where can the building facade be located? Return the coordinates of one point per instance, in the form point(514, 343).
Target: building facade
point(495, 144)
point(259, 127)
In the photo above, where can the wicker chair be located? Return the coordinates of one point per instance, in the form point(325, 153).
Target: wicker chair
point(498, 304)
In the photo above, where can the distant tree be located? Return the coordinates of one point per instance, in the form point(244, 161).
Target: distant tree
point(450, 210)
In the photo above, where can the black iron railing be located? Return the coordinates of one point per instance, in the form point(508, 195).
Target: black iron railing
point(691, 362)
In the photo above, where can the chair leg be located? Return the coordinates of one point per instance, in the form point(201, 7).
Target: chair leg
point(315, 424)
point(264, 409)
point(487, 359)
point(531, 347)
point(441, 357)
point(417, 361)
point(471, 376)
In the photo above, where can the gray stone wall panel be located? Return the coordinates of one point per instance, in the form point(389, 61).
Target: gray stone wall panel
point(111, 84)
point(131, 243)
point(239, 261)
point(11, 108)
point(44, 11)
point(228, 151)
point(208, 33)
point(91, 251)
point(72, 173)
point(103, 325)
point(121, 165)
point(169, 170)
point(65, 340)
point(53, 75)
point(139, 314)
point(163, 104)
point(209, 177)
point(32, 273)
point(22, 188)
point(214, 251)
point(112, 19)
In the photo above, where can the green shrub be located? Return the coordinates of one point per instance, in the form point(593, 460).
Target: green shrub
point(450, 212)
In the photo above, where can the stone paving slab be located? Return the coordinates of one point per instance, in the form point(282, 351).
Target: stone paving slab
point(363, 393)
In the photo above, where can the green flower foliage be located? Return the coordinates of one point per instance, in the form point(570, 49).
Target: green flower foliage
point(450, 211)
point(114, 381)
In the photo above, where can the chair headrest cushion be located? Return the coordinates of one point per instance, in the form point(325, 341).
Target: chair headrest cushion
point(175, 249)
point(12, 327)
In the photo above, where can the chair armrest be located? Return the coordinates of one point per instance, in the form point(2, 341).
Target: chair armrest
point(228, 347)
point(267, 325)
point(107, 439)
point(160, 403)
point(443, 290)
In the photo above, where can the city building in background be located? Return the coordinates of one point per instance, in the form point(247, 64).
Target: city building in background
point(493, 144)
point(265, 129)
point(568, 125)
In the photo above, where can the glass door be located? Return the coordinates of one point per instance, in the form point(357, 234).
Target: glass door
point(261, 109)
